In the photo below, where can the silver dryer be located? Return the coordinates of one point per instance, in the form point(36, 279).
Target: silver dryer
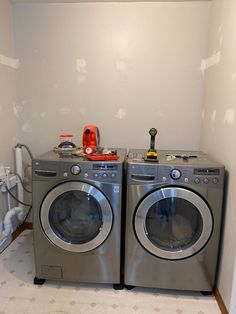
point(173, 220)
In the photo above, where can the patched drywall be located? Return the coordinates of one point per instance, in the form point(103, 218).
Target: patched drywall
point(8, 122)
point(125, 67)
point(219, 123)
point(8, 67)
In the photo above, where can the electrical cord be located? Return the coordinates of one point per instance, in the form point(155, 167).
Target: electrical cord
point(15, 198)
point(21, 181)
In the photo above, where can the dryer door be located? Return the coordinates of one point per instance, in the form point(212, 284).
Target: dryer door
point(173, 223)
point(76, 216)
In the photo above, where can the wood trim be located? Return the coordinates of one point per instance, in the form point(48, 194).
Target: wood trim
point(220, 302)
point(21, 228)
point(28, 225)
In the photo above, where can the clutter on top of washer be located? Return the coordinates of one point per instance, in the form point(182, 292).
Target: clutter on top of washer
point(90, 150)
point(66, 145)
point(151, 154)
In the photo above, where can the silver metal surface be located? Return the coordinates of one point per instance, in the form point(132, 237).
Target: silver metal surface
point(102, 263)
point(142, 265)
point(173, 192)
point(107, 216)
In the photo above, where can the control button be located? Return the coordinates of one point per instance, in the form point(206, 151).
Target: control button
point(75, 169)
point(104, 175)
point(65, 174)
point(86, 175)
point(113, 175)
point(186, 180)
point(206, 180)
point(215, 180)
point(197, 180)
point(164, 179)
point(175, 174)
point(95, 175)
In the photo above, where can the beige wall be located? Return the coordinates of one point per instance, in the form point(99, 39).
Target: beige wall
point(219, 122)
point(8, 65)
point(125, 67)
point(8, 121)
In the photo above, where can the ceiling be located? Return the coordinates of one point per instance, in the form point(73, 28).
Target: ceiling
point(77, 1)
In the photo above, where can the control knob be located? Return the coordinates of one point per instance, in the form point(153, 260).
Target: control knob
point(75, 169)
point(175, 174)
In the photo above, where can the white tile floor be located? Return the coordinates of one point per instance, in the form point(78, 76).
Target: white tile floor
point(18, 294)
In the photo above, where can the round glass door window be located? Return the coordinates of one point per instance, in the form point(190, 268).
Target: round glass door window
point(76, 216)
point(173, 223)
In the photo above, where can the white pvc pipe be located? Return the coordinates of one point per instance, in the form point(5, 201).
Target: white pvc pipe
point(19, 170)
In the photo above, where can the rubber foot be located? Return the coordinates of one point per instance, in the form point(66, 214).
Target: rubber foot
point(118, 286)
point(38, 281)
point(205, 293)
point(129, 287)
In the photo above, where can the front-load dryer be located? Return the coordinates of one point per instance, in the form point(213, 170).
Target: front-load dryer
point(173, 220)
point(77, 219)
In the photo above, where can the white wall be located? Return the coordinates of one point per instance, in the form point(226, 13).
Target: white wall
point(219, 122)
point(8, 121)
point(125, 67)
point(8, 65)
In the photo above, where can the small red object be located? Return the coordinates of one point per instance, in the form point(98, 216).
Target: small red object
point(102, 157)
point(91, 139)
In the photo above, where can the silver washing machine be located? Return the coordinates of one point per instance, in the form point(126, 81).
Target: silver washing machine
point(77, 219)
point(173, 221)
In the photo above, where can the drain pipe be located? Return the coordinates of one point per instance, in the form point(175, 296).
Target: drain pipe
point(8, 226)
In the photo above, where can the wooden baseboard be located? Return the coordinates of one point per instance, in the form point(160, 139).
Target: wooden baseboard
point(21, 228)
point(28, 225)
point(220, 302)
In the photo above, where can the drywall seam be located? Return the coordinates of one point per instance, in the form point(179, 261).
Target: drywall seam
point(210, 62)
point(10, 62)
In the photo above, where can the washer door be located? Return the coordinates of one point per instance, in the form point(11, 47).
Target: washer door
point(76, 216)
point(173, 223)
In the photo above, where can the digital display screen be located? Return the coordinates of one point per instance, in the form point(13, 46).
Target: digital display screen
point(207, 171)
point(104, 167)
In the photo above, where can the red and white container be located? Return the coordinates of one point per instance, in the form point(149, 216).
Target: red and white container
point(66, 138)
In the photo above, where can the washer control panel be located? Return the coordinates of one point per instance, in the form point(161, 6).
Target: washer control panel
point(101, 172)
point(106, 172)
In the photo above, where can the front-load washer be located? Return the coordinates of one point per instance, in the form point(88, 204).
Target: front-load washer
point(77, 219)
point(173, 220)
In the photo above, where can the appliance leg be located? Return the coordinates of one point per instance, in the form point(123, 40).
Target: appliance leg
point(39, 281)
point(205, 293)
point(118, 286)
point(129, 287)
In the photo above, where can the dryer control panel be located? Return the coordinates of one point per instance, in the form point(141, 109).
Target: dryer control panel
point(191, 175)
point(172, 174)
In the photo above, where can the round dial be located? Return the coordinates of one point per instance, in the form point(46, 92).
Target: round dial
point(75, 169)
point(175, 174)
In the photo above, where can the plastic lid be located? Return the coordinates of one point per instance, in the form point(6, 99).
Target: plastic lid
point(66, 135)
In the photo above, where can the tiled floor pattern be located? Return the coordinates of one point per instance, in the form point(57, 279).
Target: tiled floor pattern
point(18, 294)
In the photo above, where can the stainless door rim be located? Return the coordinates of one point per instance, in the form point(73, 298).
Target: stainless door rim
point(86, 188)
point(173, 192)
